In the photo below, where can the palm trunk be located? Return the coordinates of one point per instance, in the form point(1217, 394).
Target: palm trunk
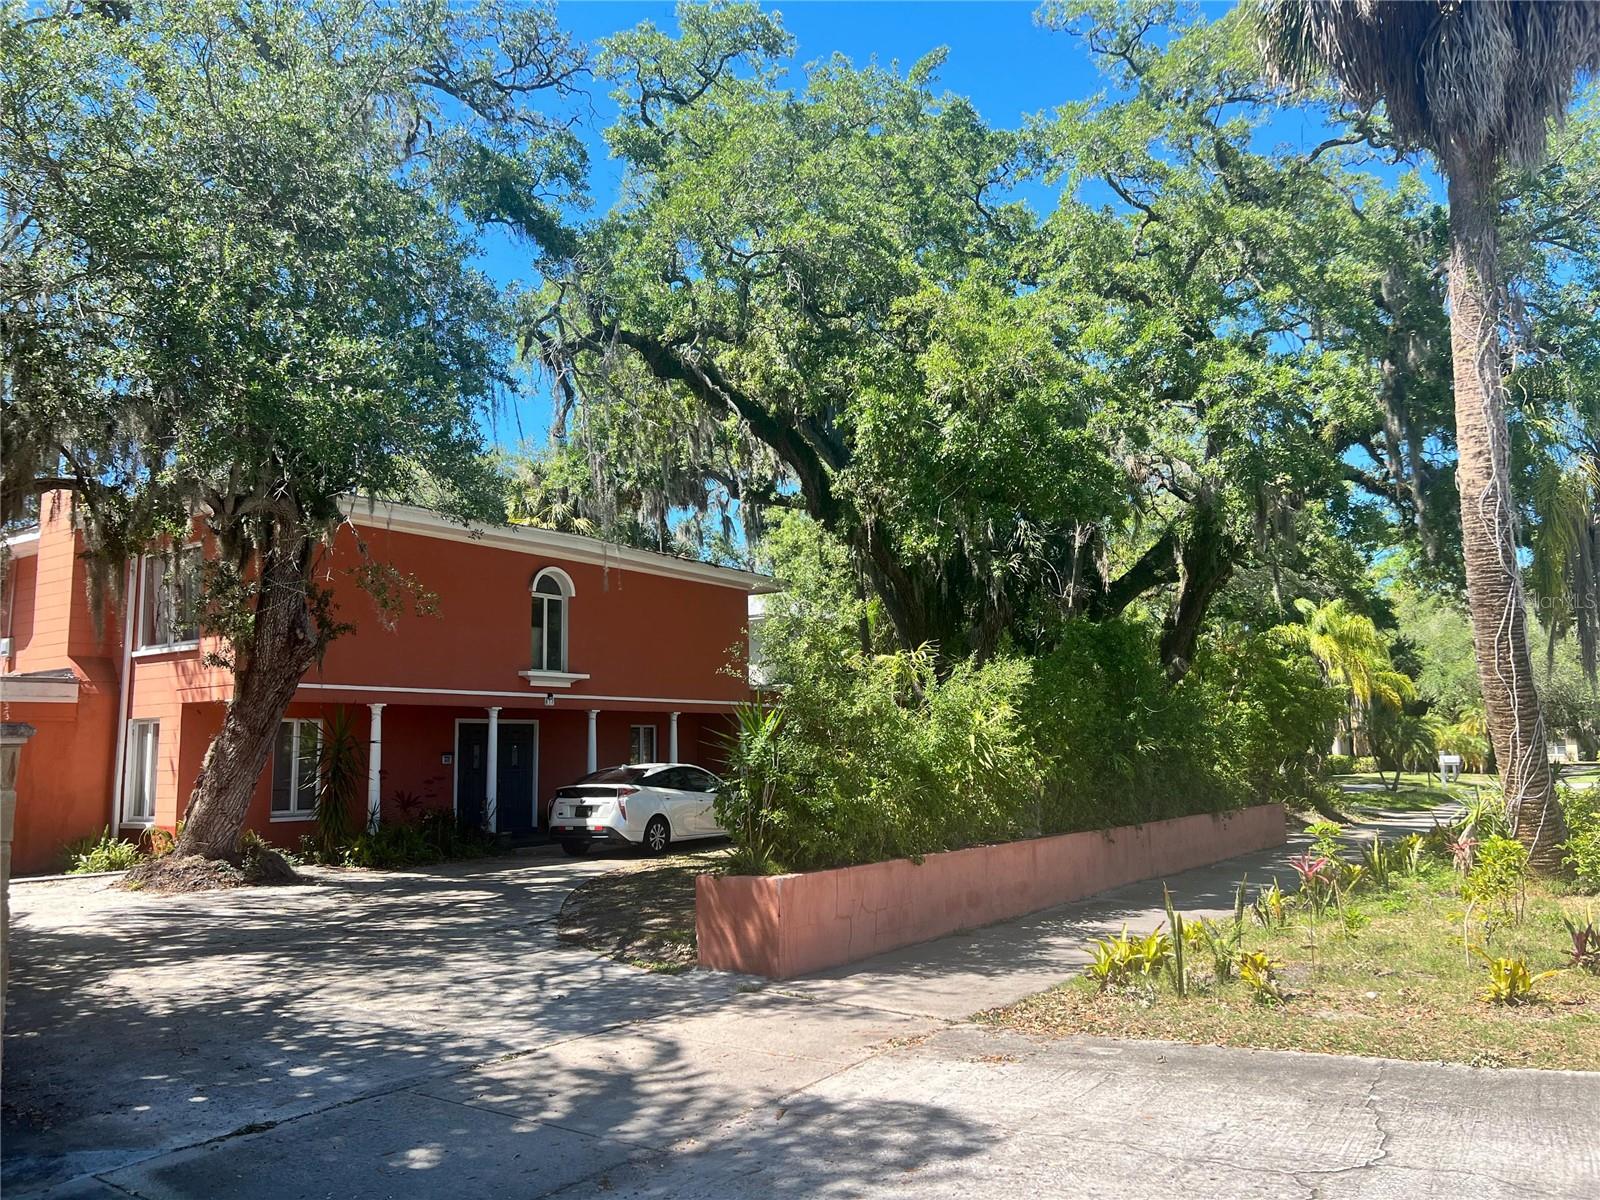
point(1488, 521)
point(266, 672)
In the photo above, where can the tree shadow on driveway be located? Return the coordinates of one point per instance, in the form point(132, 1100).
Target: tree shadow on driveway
point(138, 1023)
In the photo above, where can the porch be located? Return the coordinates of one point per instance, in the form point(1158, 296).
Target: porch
point(500, 764)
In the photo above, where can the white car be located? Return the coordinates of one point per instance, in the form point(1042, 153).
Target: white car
point(647, 804)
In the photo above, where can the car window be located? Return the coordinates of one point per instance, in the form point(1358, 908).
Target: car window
point(614, 775)
point(671, 777)
point(697, 780)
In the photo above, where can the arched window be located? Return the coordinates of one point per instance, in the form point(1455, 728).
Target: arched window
point(551, 588)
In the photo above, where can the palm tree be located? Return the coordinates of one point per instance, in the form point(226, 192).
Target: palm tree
point(1352, 655)
point(1403, 741)
point(1478, 83)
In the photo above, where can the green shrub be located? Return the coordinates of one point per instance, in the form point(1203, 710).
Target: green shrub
point(1125, 746)
point(1582, 810)
point(1498, 875)
point(1339, 764)
point(1273, 713)
point(434, 837)
point(876, 758)
point(105, 853)
point(751, 777)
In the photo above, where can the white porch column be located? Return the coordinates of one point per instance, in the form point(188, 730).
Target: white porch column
point(594, 753)
point(374, 768)
point(491, 790)
point(672, 737)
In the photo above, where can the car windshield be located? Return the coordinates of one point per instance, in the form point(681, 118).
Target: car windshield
point(615, 775)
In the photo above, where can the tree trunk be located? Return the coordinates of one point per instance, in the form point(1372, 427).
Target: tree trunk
point(1488, 521)
point(283, 644)
point(1205, 562)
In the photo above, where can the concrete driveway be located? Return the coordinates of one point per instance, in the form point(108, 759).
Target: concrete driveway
point(412, 1035)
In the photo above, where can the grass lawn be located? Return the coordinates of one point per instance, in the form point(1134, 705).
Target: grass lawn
point(1417, 792)
point(1399, 987)
point(642, 913)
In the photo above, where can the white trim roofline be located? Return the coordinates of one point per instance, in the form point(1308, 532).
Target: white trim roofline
point(529, 539)
point(390, 689)
point(39, 689)
point(23, 545)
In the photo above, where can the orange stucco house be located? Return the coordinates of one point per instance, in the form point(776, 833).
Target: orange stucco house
point(544, 655)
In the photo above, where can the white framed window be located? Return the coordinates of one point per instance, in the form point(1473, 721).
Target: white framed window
point(139, 780)
point(551, 589)
point(642, 744)
point(296, 769)
point(169, 599)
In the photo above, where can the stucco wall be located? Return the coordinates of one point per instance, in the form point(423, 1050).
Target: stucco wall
point(65, 776)
point(634, 634)
point(782, 926)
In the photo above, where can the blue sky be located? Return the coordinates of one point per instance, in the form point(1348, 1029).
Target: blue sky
point(998, 57)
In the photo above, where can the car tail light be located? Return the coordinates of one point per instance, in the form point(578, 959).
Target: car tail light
point(622, 800)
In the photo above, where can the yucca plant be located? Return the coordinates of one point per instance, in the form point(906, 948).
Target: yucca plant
point(341, 781)
point(1377, 859)
point(746, 802)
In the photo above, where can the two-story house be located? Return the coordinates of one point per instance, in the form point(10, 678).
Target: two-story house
point(537, 657)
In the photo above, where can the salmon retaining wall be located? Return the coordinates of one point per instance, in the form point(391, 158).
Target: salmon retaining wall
point(782, 926)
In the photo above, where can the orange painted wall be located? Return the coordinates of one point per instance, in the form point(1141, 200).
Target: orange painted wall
point(57, 621)
point(634, 634)
point(64, 782)
point(64, 776)
point(21, 580)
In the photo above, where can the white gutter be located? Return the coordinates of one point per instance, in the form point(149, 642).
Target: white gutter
point(135, 568)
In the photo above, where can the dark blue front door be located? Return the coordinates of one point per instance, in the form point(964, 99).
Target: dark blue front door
point(517, 751)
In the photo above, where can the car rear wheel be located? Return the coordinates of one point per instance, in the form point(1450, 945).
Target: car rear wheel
point(657, 836)
point(575, 847)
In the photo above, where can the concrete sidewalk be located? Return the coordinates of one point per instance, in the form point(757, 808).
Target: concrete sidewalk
point(395, 1037)
point(965, 973)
